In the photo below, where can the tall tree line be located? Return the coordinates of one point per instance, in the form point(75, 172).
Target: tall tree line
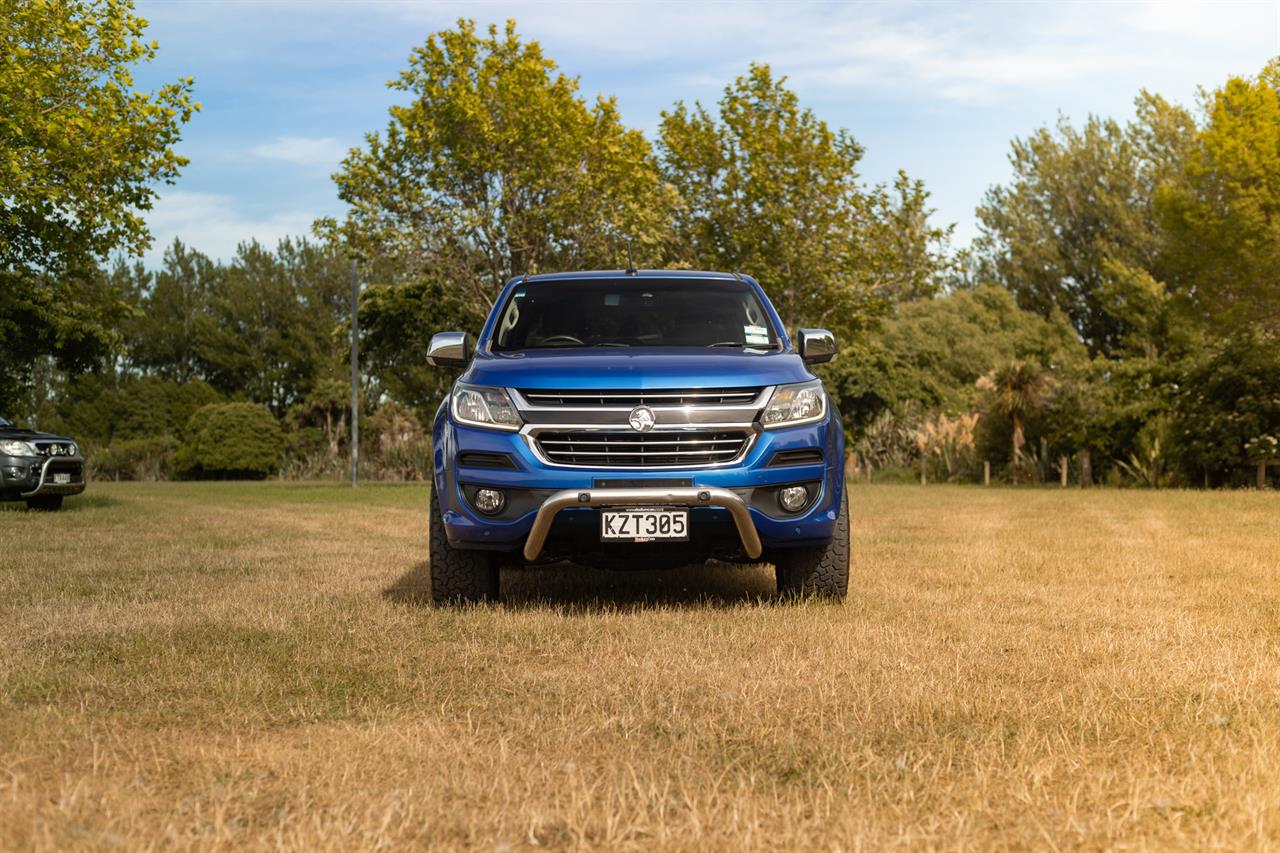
point(1120, 306)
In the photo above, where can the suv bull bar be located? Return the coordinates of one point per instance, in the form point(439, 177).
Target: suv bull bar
point(44, 487)
point(688, 497)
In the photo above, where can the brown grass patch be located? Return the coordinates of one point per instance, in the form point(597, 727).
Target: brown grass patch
point(223, 665)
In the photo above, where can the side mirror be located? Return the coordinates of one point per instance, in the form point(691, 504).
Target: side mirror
point(449, 349)
point(816, 345)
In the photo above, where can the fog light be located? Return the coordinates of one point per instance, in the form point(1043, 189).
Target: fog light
point(793, 498)
point(490, 501)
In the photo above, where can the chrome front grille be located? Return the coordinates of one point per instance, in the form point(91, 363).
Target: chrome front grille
point(656, 397)
point(667, 449)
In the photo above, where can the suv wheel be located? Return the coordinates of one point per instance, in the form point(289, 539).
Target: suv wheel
point(45, 503)
point(817, 572)
point(456, 575)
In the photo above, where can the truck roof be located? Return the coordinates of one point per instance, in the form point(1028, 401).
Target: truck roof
point(596, 275)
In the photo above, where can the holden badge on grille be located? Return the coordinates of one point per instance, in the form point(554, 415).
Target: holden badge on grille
point(641, 419)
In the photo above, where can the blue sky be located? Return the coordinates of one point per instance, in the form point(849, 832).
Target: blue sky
point(937, 89)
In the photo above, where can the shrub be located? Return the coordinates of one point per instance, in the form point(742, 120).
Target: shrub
point(231, 441)
point(133, 459)
point(1228, 401)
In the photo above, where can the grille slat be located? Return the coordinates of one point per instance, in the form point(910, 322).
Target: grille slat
point(664, 397)
point(636, 450)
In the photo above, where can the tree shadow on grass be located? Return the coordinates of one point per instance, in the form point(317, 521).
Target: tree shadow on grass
point(562, 586)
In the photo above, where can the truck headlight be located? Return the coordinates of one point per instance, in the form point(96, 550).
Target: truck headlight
point(484, 407)
point(802, 403)
point(17, 448)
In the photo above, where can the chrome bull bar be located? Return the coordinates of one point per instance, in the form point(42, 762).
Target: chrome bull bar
point(688, 497)
point(44, 487)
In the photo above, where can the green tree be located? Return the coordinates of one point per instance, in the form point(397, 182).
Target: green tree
point(231, 440)
point(1223, 217)
point(767, 187)
point(1227, 400)
point(272, 322)
point(397, 322)
point(497, 167)
point(81, 150)
point(1016, 390)
point(171, 320)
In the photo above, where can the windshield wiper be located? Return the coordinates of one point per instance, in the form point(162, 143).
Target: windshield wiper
point(741, 345)
point(610, 344)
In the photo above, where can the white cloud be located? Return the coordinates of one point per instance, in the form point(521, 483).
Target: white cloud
point(956, 52)
point(302, 150)
point(212, 224)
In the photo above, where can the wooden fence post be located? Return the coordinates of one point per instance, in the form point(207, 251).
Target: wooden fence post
point(986, 472)
point(1062, 469)
point(1262, 475)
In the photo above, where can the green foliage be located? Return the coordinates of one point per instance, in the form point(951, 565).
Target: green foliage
point(496, 166)
point(397, 322)
point(231, 441)
point(1146, 464)
point(767, 187)
point(1228, 400)
point(99, 409)
point(80, 152)
point(1016, 390)
point(134, 459)
point(1223, 217)
point(1079, 200)
point(70, 321)
point(933, 351)
point(80, 147)
point(263, 326)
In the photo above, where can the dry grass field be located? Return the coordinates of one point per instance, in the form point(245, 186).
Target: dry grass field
point(254, 666)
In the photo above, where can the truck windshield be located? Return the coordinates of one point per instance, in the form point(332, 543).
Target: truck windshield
point(633, 313)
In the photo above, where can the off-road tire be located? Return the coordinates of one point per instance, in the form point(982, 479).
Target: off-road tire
point(458, 576)
point(817, 572)
point(45, 503)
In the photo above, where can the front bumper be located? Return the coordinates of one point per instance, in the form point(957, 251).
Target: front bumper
point(724, 498)
point(546, 518)
point(45, 485)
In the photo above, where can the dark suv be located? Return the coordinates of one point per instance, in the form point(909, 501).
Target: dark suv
point(38, 468)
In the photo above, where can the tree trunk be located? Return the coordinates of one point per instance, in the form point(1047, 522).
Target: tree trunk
point(924, 461)
point(1262, 475)
point(1086, 468)
point(1062, 469)
point(1018, 440)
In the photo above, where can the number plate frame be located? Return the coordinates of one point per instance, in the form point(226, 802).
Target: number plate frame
point(644, 524)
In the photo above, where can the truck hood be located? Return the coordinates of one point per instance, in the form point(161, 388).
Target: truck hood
point(639, 368)
point(11, 433)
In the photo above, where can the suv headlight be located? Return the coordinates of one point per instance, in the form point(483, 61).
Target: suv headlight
point(18, 448)
point(484, 407)
point(802, 403)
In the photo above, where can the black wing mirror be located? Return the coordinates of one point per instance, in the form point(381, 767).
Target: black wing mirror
point(449, 349)
point(816, 345)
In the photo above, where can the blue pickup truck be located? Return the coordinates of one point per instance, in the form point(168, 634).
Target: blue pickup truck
point(636, 419)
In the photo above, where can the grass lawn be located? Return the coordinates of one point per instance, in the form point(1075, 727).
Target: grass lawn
point(230, 665)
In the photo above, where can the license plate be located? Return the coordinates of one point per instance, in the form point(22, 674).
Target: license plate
point(61, 479)
point(644, 525)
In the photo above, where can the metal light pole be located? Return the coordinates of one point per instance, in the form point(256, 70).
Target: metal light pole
point(355, 376)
